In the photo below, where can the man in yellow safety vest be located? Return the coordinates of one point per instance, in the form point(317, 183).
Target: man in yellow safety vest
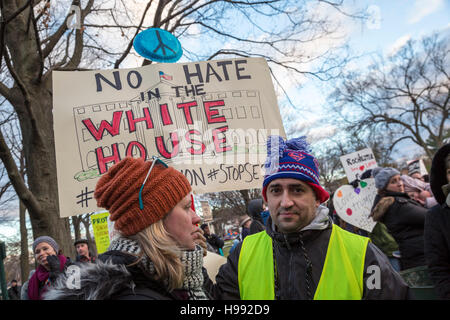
point(302, 254)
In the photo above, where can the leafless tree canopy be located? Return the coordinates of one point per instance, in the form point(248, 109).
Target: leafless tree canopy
point(406, 95)
point(36, 37)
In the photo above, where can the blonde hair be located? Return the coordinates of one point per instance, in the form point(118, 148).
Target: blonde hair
point(156, 243)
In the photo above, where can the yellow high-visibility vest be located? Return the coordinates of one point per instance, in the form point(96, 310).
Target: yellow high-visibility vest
point(342, 273)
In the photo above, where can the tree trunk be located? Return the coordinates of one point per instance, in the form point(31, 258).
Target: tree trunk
point(31, 97)
point(76, 227)
point(40, 158)
point(87, 222)
point(24, 254)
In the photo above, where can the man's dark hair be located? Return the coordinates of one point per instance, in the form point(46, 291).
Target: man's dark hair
point(203, 226)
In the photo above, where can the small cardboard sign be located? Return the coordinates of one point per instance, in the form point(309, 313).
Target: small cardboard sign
point(99, 223)
point(417, 166)
point(353, 205)
point(357, 162)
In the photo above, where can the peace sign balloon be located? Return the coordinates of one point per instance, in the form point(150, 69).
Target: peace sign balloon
point(158, 45)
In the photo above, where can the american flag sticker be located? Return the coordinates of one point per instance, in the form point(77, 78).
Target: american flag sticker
point(165, 76)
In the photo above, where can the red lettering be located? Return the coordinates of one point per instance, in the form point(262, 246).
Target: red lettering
point(187, 110)
point(132, 121)
point(218, 142)
point(139, 146)
point(165, 115)
point(191, 150)
point(212, 114)
point(160, 145)
point(102, 160)
point(113, 129)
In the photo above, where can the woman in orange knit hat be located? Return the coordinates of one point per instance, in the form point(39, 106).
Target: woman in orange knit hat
point(157, 255)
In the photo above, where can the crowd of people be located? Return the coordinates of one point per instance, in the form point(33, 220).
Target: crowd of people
point(292, 246)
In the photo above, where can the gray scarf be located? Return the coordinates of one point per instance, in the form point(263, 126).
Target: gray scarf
point(192, 261)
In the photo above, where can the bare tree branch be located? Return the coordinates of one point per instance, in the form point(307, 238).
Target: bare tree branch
point(130, 44)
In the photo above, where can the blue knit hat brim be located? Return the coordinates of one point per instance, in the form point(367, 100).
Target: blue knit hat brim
point(321, 194)
point(295, 164)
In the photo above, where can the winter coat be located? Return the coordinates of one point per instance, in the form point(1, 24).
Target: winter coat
point(437, 228)
point(91, 259)
point(118, 275)
point(291, 262)
point(215, 241)
point(381, 237)
point(255, 207)
point(404, 219)
point(14, 293)
point(44, 286)
point(111, 279)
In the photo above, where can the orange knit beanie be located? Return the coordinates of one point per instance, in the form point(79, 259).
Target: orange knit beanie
point(118, 192)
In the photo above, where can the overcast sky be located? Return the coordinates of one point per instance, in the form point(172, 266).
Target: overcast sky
point(392, 24)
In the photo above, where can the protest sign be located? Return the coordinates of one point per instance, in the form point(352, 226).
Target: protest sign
point(210, 120)
point(357, 162)
point(353, 205)
point(416, 166)
point(206, 211)
point(99, 222)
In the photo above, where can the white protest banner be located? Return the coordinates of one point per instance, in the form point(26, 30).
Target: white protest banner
point(210, 120)
point(353, 205)
point(357, 162)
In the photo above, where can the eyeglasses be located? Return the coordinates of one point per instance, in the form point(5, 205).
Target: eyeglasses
point(155, 160)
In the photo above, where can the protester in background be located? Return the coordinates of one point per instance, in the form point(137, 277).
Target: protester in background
point(14, 291)
point(414, 172)
point(215, 242)
point(302, 254)
point(245, 225)
point(403, 217)
point(83, 252)
point(255, 207)
point(419, 191)
point(50, 265)
point(156, 256)
point(437, 224)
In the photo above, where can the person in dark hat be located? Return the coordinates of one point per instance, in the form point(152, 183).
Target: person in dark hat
point(437, 224)
point(403, 217)
point(302, 255)
point(14, 291)
point(245, 222)
point(215, 243)
point(83, 252)
point(255, 208)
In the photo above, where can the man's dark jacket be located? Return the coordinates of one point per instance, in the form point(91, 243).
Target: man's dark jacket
point(14, 293)
point(215, 241)
point(404, 219)
point(437, 228)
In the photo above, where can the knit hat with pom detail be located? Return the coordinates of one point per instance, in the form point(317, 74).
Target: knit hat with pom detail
point(118, 192)
point(292, 159)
